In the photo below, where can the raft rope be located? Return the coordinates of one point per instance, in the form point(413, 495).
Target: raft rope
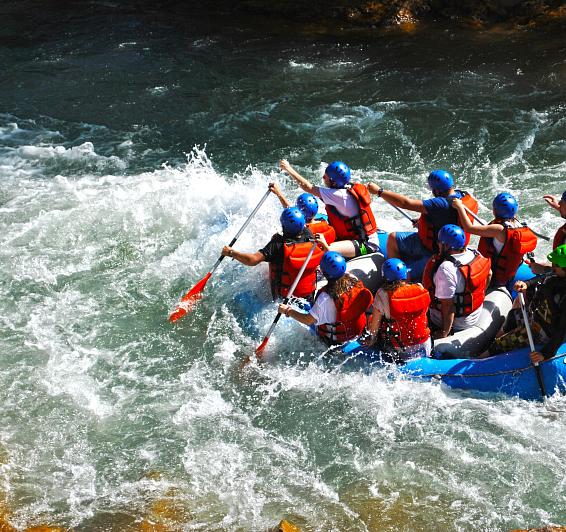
point(504, 372)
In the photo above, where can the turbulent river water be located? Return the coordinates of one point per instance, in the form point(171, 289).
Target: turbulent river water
point(133, 145)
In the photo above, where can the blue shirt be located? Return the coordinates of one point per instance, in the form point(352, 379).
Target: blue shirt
point(439, 212)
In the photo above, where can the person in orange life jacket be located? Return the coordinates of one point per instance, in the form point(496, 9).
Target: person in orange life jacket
point(286, 254)
point(417, 247)
point(560, 235)
point(504, 240)
point(456, 278)
point(308, 205)
point(348, 208)
point(339, 311)
point(399, 319)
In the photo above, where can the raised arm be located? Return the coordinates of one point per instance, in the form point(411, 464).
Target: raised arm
point(274, 187)
point(305, 184)
point(488, 230)
point(399, 200)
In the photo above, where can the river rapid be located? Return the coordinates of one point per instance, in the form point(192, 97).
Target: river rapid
point(133, 145)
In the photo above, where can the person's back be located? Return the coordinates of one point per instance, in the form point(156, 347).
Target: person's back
point(457, 278)
point(399, 322)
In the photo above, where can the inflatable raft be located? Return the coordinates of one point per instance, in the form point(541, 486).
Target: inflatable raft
point(453, 364)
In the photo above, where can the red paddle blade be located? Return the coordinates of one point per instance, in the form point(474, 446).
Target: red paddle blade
point(261, 347)
point(189, 299)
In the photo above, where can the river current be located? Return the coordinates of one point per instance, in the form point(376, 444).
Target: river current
point(133, 145)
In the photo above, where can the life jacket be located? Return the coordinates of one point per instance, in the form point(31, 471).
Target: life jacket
point(350, 315)
point(282, 275)
point(559, 237)
point(321, 226)
point(428, 233)
point(475, 274)
point(358, 227)
point(407, 324)
point(518, 241)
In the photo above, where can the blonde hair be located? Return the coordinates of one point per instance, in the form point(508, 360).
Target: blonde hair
point(342, 285)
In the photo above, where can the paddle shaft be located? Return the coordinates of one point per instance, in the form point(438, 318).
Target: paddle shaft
point(412, 220)
point(531, 344)
point(482, 222)
point(287, 298)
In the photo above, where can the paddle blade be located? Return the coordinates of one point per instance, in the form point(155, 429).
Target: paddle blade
point(261, 347)
point(189, 299)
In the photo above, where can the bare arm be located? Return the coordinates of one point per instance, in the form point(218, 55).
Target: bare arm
point(399, 200)
point(305, 184)
point(274, 187)
point(552, 201)
point(248, 259)
point(301, 317)
point(489, 230)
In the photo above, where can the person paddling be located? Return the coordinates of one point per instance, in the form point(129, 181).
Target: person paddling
point(456, 278)
point(308, 205)
point(503, 240)
point(348, 207)
point(285, 254)
point(399, 322)
point(339, 311)
point(417, 247)
point(546, 303)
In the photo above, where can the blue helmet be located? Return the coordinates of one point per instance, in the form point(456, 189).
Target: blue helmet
point(505, 205)
point(452, 236)
point(563, 198)
point(440, 181)
point(308, 205)
point(333, 265)
point(394, 270)
point(292, 221)
point(339, 173)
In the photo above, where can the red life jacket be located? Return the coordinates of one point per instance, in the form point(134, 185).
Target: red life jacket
point(282, 275)
point(350, 315)
point(407, 324)
point(475, 273)
point(427, 232)
point(559, 237)
point(518, 241)
point(322, 227)
point(358, 227)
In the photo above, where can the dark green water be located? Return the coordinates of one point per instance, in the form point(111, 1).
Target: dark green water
point(110, 415)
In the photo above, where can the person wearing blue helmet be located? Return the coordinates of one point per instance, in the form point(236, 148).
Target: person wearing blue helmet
point(308, 205)
point(399, 325)
point(339, 311)
point(348, 207)
point(457, 278)
point(417, 247)
point(503, 240)
point(285, 253)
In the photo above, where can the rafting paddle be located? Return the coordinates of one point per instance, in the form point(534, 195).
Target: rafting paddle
point(261, 347)
point(414, 221)
point(532, 345)
point(195, 293)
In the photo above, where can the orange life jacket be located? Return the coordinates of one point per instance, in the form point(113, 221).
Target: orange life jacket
point(322, 227)
point(282, 275)
point(407, 324)
point(559, 237)
point(475, 273)
point(427, 232)
point(350, 315)
point(518, 241)
point(358, 227)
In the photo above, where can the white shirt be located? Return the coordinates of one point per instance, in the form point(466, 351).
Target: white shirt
point(497, 244)
point(345, 204)
point(448, 281)
point(323, 310)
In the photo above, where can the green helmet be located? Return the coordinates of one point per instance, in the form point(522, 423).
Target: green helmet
point(558, 256)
